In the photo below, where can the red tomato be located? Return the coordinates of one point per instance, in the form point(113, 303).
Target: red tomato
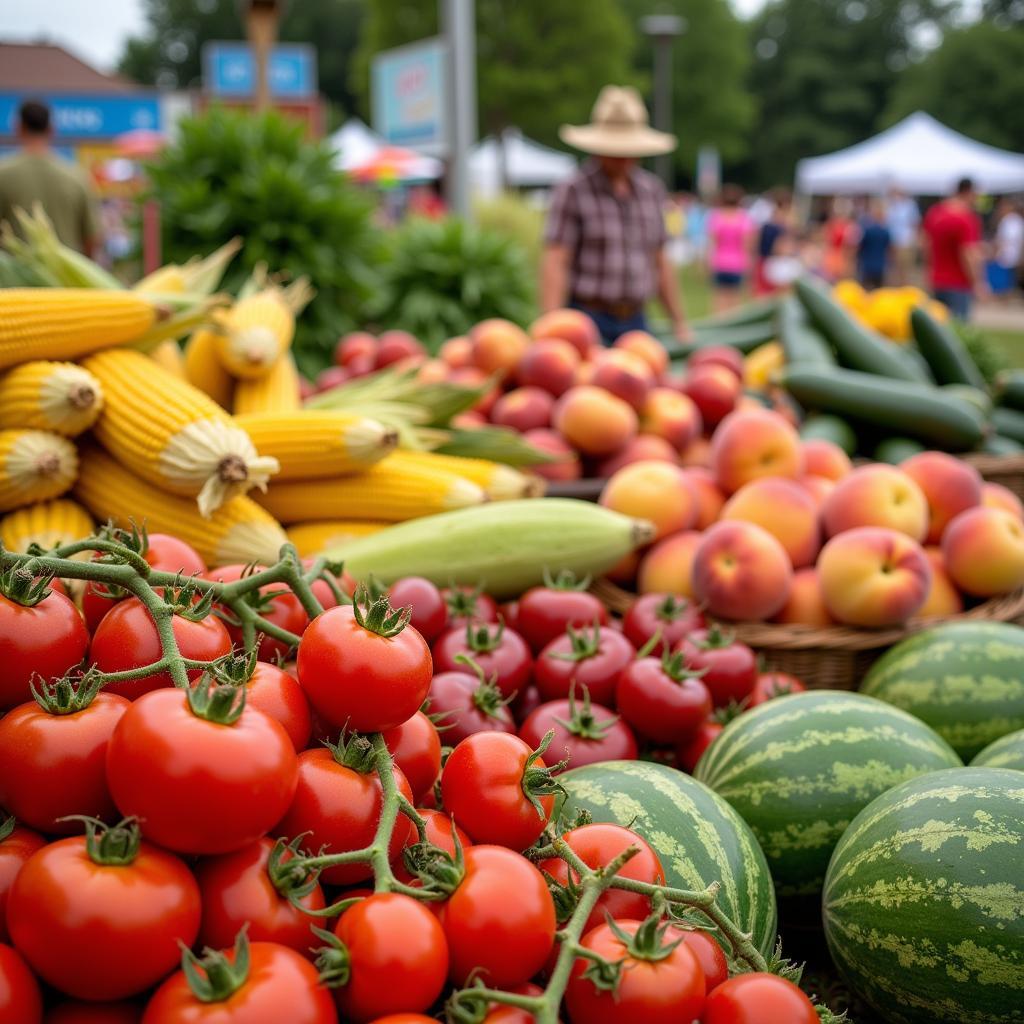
point(398, 957)
point(756, 998)
point(416, 747)
point(340, 808)
point(669, 615)
point(590, 658)
point(54, 764)
point(689, 753)
point(363, 677)
point(280, 986)
point(662, 699)
point(546, 612)
point(731, 666)
point(96, 601)
point(526, 703)
point(469, 705)
point(598, 845)
point(429, 610)
point(72, 917)
point(404, 1018)
point(469, 604)
point(501, 653)
point(509, 614)
point(250, 885)
point(94, 1013)
point(770, 685)
point(500, 919)
point(21, 1002)
point(663, 991)
point(584, 733)
point(277, 694)
point(709, 953)
point(127, 639)
point(17, 844)
point(199, 785)
point(486, 785)
point(48, 638)
point(441, 833)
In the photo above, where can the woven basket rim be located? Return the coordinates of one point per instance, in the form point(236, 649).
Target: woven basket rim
point(995, 465)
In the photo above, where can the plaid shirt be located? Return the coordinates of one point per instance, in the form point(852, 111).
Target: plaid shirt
point(614, 239)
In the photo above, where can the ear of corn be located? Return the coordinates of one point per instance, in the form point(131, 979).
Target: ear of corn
point(275, 391)
point(311, 539)
point(314, 444)
point(498, 481)
point(204, 370)
point(168, 354)
point(42, 395)
point(47, 523)
point(198, 276)
point(239, 531)
point(34, 466)
point(67, 323)
point(171, 434)
point(383, 493)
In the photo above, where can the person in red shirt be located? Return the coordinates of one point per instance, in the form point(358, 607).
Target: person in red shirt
point(953, 253)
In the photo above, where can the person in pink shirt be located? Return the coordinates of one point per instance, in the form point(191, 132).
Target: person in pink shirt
point(731, 234)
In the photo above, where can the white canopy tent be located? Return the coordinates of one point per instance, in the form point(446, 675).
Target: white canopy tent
point(919, 155)
point(527, 164)
point(355, 145)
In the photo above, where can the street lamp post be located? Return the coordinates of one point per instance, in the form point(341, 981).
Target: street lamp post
point(663, 29)
point(459, 23)
point(261, 19)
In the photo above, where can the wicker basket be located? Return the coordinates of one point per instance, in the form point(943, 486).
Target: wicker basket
point(1007, 470)
point(836, 657)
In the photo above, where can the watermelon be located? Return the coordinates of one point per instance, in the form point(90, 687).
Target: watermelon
point(1006, 752)
point(698, 836)
point(798, 769)
point(965, 679)
point(924, 900)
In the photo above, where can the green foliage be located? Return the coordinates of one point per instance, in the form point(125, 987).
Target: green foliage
point(986, 352)
point(512, 216)
point(442, 277)
point(232, 175)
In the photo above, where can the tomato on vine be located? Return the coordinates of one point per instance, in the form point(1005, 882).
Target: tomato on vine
point(663, 700)
point(429, 611)
point(469, 604)
point(468, 704)
point(416, 747)
point(667, 616)
point(585, 658)
point(758, 997)
point(500, 653)
point(770, 685)
point(712, 960)
point(276, 693)
point(94, 1013)
point(544, 613)
point(730, 667)
point(21, 1002)
point(17, 844)
point(441, 832)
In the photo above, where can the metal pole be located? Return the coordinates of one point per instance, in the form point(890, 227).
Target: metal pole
point(262, 26)
point(458, 19)
point(663, 101)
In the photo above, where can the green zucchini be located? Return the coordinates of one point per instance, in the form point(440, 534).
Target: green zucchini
point(823, 427)
point(895, 450)
point(946, 354)
point(1010, 389)
point(857, 347)
point(996, 444)
point(801, 342)
point(744, 338)
point(916, 410)
point(749, 313)
point(978, 398)
point(1009, 423)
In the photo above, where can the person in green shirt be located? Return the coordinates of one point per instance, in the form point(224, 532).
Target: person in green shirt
point(37, 175)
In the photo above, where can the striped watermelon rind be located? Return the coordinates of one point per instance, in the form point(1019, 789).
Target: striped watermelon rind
point(1005, 752)
point(965, 679)
point(798, 769)
point(923, 904)
point(698, 836)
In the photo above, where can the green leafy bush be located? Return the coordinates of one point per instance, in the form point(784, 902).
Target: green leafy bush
point(230, 174)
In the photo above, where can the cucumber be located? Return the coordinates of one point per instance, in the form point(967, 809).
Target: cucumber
point(802, 343)
point(895, 449)
point(981, 400)
point(1010, 389)
point(749, 313)
point(916, 410)
point(744, 338)
point(947, 355)
point(996, 444)
point(823, 427)
point(857, 347)
point(1009, 423)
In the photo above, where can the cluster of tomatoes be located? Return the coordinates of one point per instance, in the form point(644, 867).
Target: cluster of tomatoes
point(183, 793)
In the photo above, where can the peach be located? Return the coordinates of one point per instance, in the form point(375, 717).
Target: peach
point(647, 347)
point(666, 568)
point(740, 571)
point(984, 551)
point(950, 486)
point(354, 344)
point(943, 598)
point(468, 420)
point(717, 355)
point(785, 510)
point(433, 371)
point(709, 498)
point(498, 345)
point(697, 453)
point(472, 377)
point(658, 491)
point(457, 352)
point(818, 487)
point(751, 444)
point(397, 346)
point(874, 576)
point(567, 463)
point(570, 325)
point(671, 415)
point(998, 496)
point(876, 495)
point(625, 375)
point(594, 421)
point(806, 603)
point(549, 364)
point(825, 458)
point(715, 390)
point(585, 371)
point(523, 409)
point(643, 447)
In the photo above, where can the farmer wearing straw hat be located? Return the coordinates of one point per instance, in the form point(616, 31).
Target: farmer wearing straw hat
point(604, 244)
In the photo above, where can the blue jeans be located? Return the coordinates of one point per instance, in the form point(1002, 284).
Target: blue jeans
point(957, 299)
point(611, 327)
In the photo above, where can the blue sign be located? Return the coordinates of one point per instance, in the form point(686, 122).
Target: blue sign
point(88, 117)
point(409, 94)
point(229, 69)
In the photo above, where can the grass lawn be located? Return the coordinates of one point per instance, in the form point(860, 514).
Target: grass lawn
point(1010, 344)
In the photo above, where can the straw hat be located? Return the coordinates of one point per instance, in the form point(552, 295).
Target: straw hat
point(618, 127)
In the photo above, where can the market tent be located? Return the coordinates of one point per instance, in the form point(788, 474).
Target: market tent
point(527, 164)
point(919, 155)
point(363, 152)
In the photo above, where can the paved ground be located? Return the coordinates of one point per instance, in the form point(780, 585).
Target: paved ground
point(1000, 317)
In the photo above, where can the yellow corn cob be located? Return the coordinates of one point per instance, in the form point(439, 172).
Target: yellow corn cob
point(239, 531)
point(66, 323)
point(47, 523)
point(498, 481)
point(203, 368)
point(311, 539)
point(276, 391)
point(168, 355)
point(384, 493)
point(171, 434)
point(34, 466)
point(41, 395)
point(318, 443)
